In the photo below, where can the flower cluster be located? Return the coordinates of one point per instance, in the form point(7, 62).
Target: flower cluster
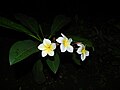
point(48, 47)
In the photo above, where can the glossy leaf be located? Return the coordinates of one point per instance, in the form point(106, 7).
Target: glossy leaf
point(4, 22)
point(54, 64)
point(87, 42)
point(29, 22)
point(58, 23)
point(38, 72)
point(21, 50)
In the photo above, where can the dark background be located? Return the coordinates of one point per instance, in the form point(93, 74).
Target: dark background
point(45, 8)
point(101, 72)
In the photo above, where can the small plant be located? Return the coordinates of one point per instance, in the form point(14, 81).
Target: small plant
point(48, 45)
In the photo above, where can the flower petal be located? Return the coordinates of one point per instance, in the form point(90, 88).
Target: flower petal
point(87, 53)
point(79, 44)
point(79, 50)
point(53, 46)
point(60, 40)
point(51, 53)
point(44, 53)
point(83, 46)
point(83, 56)
point(70, 48)
point(62, 48)
point(41, 47)
point(63, 35)
point(46, 42)
point(70, 40)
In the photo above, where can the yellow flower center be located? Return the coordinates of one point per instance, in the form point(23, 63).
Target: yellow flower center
point(49, 48)
point(65, 42)
point(83, 51)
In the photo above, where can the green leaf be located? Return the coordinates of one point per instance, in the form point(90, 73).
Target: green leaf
point(58, 23)
point(87, 42)
point(75, 59)
point(4, 22)
point(21, 50)
point(38, 72)
point(54, 64)
point(29, 22)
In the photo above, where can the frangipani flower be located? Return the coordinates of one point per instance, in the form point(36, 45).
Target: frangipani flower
point(65, 43)
point(47, 47)
point(81, 50)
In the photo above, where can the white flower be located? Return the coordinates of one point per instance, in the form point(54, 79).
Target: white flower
point(65, 43)
point(81, 50)
point(47, 47)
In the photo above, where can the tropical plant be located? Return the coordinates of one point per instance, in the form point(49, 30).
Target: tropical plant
point(45, 44)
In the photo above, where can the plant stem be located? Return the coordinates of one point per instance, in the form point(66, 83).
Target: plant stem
point(41, 30)
point(39, 39)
